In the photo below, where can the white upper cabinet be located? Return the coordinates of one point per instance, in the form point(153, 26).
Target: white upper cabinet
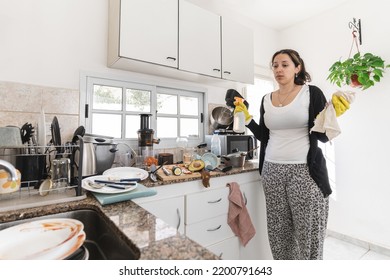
point(237, 52)
point(165, 36)
point(199, 40)
point(148, 31)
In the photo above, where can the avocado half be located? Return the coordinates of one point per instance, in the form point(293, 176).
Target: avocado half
point(196, 165)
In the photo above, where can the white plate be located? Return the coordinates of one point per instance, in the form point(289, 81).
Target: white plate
point(42, 239)
point(210, 159)
point(104, 189)
point(127, 172)
point(65, 250)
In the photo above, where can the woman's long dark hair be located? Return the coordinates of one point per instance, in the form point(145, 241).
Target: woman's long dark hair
point(302, 76)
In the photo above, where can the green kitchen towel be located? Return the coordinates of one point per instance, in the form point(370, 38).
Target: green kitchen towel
point(140, 191)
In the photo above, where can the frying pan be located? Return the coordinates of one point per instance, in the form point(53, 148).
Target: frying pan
point(79, 131)
point(56, 134)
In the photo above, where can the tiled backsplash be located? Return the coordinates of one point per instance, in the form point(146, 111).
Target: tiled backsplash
point(21, 103)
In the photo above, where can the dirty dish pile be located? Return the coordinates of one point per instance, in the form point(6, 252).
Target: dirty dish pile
point(107, 184)
point(46, 239)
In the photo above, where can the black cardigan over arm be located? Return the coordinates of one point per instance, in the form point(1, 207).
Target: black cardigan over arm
point(315, 159)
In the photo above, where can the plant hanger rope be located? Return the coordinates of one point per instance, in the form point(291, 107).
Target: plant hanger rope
point(354, 40)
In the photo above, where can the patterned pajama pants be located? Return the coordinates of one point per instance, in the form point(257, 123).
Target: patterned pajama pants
point(297, 212)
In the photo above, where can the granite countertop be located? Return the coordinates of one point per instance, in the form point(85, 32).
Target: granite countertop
point(149, 235)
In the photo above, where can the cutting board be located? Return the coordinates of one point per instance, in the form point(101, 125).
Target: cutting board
point(194, 175)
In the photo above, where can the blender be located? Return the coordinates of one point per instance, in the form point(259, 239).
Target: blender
point(145, 137)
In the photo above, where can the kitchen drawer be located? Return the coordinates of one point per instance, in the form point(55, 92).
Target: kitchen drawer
point(207, 204)
point(210, 231)
point(228, 249)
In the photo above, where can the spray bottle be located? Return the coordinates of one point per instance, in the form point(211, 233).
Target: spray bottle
point(239, 119)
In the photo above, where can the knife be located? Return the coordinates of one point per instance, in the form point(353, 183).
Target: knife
point(130, 180)
point(121, 183)
point(115, 186)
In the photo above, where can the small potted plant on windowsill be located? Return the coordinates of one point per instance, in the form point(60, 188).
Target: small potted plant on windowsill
point(362, 70)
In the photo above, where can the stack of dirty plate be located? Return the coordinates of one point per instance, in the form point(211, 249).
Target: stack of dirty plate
point(46, 239)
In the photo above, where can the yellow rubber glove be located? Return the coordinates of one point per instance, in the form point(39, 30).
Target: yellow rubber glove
point(340, 104)
point(240, 107)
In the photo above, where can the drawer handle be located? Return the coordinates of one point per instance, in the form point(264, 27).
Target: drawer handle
point(245, 199)
point(171, 58)
point(214, 229)
point(215, 201)
point(178, 215)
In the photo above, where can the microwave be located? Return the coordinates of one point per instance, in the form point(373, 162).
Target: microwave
point(229, 143)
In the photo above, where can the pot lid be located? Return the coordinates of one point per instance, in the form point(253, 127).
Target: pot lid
point(95, 138)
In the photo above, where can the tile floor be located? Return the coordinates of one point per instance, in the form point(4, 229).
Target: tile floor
point(337, 249)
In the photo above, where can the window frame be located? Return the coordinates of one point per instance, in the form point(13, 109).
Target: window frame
point(155, 86)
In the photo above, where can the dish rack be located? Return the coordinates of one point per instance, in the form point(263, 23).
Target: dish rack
point(30, 194)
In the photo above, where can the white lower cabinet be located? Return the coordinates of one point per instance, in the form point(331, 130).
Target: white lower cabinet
point(258, 247)
point(206, 222)
point(228, 249)
point(201, 214)
point(170, 210)
point(204, 205)
point(209, 231)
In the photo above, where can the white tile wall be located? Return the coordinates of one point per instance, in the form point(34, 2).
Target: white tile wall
point(21, 103)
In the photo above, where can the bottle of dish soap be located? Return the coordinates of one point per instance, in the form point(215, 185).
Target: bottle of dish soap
point(239, 119)
point(216, 144)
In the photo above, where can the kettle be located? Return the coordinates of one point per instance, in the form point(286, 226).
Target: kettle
point(88, 159)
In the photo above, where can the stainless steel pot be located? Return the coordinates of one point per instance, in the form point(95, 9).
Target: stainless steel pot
point(235, 159)
point(221, 117)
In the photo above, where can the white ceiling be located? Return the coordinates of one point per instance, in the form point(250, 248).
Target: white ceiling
point(276, 14)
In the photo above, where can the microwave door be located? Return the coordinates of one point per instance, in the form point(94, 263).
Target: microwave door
point(236, 142)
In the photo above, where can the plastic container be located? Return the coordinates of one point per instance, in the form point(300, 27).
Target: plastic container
point(239, 119)
point(216, 145)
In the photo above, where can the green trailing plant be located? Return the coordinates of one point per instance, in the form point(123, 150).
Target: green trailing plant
point(362, 70)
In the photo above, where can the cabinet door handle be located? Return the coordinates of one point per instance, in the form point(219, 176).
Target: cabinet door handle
point(215, 201)
point(216, 69)
point(171, 58)
point(179, 217)
point(227, 72)
point(214, 229)
point(245, 198)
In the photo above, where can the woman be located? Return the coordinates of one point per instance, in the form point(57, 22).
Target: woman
point(291, 165)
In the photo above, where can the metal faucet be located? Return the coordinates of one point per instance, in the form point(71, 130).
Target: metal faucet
point(9, 168)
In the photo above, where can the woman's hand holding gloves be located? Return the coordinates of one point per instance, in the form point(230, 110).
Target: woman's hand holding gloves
point(341, 101)
point(240, 107)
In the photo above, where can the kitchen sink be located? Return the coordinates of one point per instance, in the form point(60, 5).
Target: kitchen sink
point(103, 241)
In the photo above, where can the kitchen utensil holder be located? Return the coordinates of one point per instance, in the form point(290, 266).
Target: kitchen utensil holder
point(29, 194)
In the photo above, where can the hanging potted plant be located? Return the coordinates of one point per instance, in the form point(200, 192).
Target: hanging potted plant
point(362, 70)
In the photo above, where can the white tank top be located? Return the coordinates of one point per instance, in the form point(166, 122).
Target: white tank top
point(289, 136)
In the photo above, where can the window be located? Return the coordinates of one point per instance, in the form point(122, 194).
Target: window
point(113, 109)
point(178, 113)
point(254, 93)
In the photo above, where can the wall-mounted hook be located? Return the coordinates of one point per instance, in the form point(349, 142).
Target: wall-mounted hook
point(356, 26)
